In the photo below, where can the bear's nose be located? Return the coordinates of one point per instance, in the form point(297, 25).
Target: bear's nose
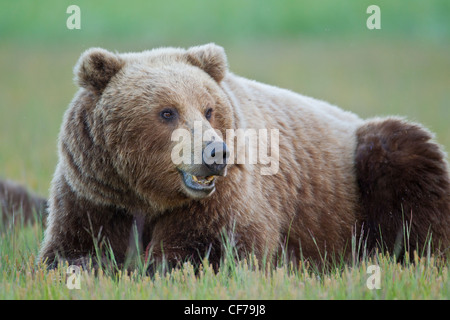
point(215, 156)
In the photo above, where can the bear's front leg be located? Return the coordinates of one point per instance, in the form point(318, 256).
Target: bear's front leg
point(193, 235)
point(80, 231)
point(171, 246)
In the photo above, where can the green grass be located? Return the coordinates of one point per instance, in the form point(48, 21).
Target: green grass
point(202, 20)
point(321, 49)
point(22, 278)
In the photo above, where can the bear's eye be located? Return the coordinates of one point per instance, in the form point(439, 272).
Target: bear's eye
point(167, 114)
point(208, 113)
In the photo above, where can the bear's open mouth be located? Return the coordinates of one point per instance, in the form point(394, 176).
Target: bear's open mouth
point(198, 183)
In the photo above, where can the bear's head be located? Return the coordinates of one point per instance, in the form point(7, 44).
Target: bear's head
point(141, 113)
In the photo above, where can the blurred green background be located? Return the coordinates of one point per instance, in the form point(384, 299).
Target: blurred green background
point(318, 48)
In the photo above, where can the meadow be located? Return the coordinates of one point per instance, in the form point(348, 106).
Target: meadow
point(21, 278)
point(323, 50)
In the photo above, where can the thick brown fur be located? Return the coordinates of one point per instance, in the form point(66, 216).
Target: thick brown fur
point(18, 205)
point(405, 187)
point(115, 173)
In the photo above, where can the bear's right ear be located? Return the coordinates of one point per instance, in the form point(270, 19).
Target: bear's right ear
point(95, 68)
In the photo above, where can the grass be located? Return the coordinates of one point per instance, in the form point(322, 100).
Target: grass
point(22, 278)
point(321, 49)
point(200, 21)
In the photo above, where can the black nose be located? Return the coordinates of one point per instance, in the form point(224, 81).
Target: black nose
point(215, 156)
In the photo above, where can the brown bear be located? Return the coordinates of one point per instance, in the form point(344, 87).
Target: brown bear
point(18, 205)
point(330, 178)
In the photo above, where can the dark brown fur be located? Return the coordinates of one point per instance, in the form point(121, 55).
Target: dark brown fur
point(19, 205)
point(405, 188)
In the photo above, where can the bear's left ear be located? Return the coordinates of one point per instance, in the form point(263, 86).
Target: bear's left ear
point(210, 58)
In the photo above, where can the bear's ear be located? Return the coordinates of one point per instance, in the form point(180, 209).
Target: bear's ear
point(95, 69)
point(210, 58)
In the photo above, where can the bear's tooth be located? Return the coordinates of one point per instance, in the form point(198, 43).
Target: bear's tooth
point(194, 178)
